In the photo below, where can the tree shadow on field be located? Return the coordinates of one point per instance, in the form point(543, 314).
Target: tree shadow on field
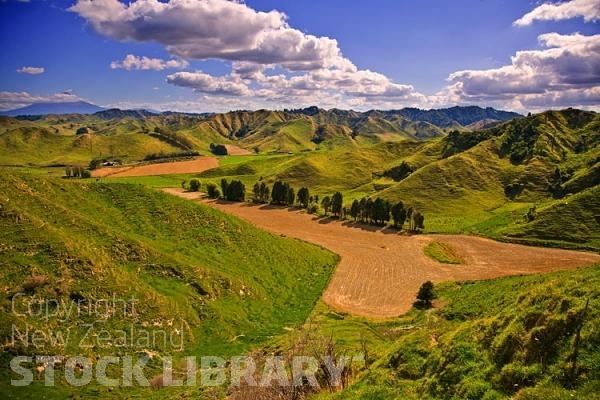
point(222, 202)
point(388, 230)
point(325, 220)
point(277, 207)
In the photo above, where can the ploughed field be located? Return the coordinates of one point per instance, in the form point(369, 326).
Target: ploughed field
point(200, 164)
point(381, 271)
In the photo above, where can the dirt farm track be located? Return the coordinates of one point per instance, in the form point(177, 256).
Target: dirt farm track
point(380, 273)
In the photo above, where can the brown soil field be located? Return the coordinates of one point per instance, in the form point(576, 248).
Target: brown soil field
point(233, 150)
point(380, 272)
point(176, 167)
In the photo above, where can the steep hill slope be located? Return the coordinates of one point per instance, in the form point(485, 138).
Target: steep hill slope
point(521, 338)
point(225, 284)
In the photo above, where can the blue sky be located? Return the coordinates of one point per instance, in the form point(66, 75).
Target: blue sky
point(217, 55)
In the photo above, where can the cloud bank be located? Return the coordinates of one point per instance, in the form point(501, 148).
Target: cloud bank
point(568, 66)
point(10, 100)
point(274, 64)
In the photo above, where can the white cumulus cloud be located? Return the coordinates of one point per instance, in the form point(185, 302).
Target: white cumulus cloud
point(588, 9)
point(132, 62)
point(205, 29)
point(568, 65)
point(309, 68)
point(31, 70)
point(205, 83)
point(10, 100)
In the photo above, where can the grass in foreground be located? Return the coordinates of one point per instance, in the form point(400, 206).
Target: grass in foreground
point(232, 286)
point(505, 338)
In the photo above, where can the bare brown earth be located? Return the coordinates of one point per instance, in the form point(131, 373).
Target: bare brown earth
point(233, 150)
point(176, 167)
point(381, 271)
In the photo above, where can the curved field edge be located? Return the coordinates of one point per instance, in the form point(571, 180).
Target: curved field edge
point(442, 252)
point(503, 338)
point(230, 286)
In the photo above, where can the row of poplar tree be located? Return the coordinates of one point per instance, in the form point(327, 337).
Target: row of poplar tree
point(365, 210)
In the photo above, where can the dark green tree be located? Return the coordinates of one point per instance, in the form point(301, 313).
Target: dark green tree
point(369, 210)
point(256, 197)
point(212, 191)
point(381, 211)
point(279, 194)
point(291, 196)
point(418, 221)
point(236, 191)
point(337, 201)
point(224, 185)
point(326, 204)
point(398, 215)
point(362, 209)
point(303, 197)
point(425, 295)
point(409, 217)
point(355, 210)
point(194, 185)
point(265, 193)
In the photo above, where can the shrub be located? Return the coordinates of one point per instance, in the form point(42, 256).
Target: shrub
point(194, 185)
point(95, 163)
point(425, 295)
point(218, 149)
point(212, 191)
point(399, 172)
point(235, 191)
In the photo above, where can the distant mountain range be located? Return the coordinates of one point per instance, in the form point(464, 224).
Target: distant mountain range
point(282, 131)
point(73, 107)
point(442, 118)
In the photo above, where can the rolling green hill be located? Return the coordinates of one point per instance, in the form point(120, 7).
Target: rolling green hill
point(227, 285)
point(239, 289)
point(474, 182)
point(130, 135)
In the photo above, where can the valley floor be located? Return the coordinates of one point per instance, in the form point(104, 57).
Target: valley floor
point(381, 271)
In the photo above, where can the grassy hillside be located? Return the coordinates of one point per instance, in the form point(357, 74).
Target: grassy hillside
point(130, 135)
point(54, 140)
point(479, 182)
point(476, 182)
point(228, 286)
point(505, 338)
point(574, 219)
